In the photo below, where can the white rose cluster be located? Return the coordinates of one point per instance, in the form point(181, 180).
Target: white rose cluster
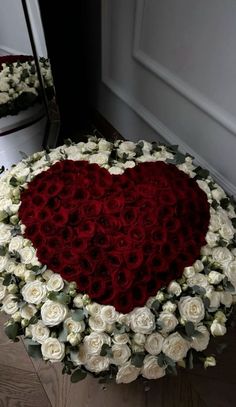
point(67, 325)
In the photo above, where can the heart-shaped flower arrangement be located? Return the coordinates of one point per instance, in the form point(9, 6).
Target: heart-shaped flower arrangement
point(119, 237)
point(117, 259)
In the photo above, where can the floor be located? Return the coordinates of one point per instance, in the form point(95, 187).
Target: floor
point(31, 383)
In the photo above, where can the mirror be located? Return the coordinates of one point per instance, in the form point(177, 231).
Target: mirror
point(29, 117)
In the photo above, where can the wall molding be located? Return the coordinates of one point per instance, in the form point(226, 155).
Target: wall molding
point(166, 133)
point(225, 119)
point(144, 113)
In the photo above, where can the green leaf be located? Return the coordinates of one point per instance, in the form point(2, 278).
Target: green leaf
point(201, 173)
point(189, 359)
point(78, 315)
point(179, 158)
point(189, 328)
point(106, 350)
point(68, 142)
point(61, 297)
point(62, 337)
point(206, 302)
point(78, 375)
point(34, 351)
point(7, 279)
point(155, 305)
point(2, 169)
point(198, 290)
point(12, 331)
point(3, 250)
point(33, 320)
point(13, 182)
point(228, 286)
point(172, 148)
point(137, 359)
point(224, 203)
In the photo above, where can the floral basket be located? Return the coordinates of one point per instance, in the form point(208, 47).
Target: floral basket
point(116, 259)
point(19, 84)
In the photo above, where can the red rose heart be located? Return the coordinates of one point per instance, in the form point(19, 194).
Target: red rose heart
point(120, 237)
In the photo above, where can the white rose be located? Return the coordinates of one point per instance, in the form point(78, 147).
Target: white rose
point(189, 272)
point(191, 309)
point(226, 298)
point(175, 347)
point(200, 342)
point(120, 354)
point(34, 292)
point(3, 289)
point(174, 288)
point(39, 332)
point(97, 364)
point(53, 350)
point(218, 193)
point(121, 339)
point(94, 309)
point(4, 98)
point(16, 243)
point(104, 145)
point(55, 283)
point(5, 190)
point(160, 297)
point(97, 324)
point(109, 314)
point(227, 231)
point(94, 341)
point(206, 251)
point(47, 274)
point(199, 280)
point(230, 272)
point(9, 304)
point(214, 222)
point(169, 306)
point(53, 313)
point(154, 343)
point(167, 321)
point(127, 373)
point(139, 339)
point(214, 297)
point(115, 170)
point(99, 158)
point(217, 329)
point(5, 233)
point(73, 338)
point(3, 263)
point(28, 311)
point(214, 277)
point(212, 239)
point(220, 317)
point(151, 369)
point(89, 146)
point(142, 320)
point(78, 301)
point(74, 326)
point(18, 269)
point(222, 256)
point(28, 255)
point(209, 361)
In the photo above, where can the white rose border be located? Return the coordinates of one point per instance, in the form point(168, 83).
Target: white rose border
point(60, 324)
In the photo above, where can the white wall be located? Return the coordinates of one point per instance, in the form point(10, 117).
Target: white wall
point(14, 36)
point(169, 70)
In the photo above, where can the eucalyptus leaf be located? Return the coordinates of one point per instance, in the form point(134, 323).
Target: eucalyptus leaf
point(189, 328)
point(78, 315)
point(78, 375)
point(233, 220)
point(106, 350)
point(7, 279)
point(2, 169)
point(155, 305)
point(34, 351)
point(199, 290)
point(33, 320)
point(189, 359)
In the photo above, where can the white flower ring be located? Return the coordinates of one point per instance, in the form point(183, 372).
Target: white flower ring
point(64, 325)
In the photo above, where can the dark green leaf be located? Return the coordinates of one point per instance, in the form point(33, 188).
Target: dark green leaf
point(3, 250)
point(206, 302)
point(33, 320)
point(106, 350)
point(78, 375)
point(13, 182)
point(189, 359)
point(12, 331)
point(189, 329)
point(172, 148)
point(161, 359)
point(155, 305)
point(179, 158)
point(228, 286)
point(7, 279)
point(68, 142)
point(201, 173)
point(137, 359)
point(171, 370)
point(2, 169)
point(224, 203)
point(34, 351)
